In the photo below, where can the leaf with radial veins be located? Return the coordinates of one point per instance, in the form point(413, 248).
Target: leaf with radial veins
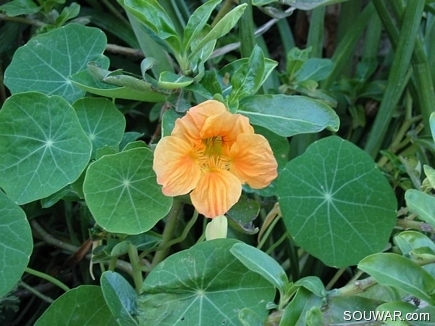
point(203, 285)
point(335, 202)
point(43, 148)
point(101, 120)
point(16, 243)
point(122, 192)
point(81, 306)
point(45, 63)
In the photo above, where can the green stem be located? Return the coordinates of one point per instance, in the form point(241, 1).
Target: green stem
point(47, 277)
point(267, 233)
point(183, 235)
point(115, 11)
point(171, 224)
point(335, 278)
point(136, 266)
point(23, 20)
point(37, 293)
point(397, 77)
point(415, 225)
point(277, 243)
point(112, 264)
point(355, 287)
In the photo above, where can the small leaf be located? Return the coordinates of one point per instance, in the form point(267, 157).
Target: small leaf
point(68, 13)
point(197, 21)
point(314, 69)
point(221, 28)
point(157, 21)
point(85, 81)
point(312, 284)
point(20, 7)
point(204, 285)
point(16, 243)
point(42, 146)
point(81, 306)
point(336, 204)
point(102, 122)
point(122, 192)
point(135, 144)
point(247, 79)
point(47, 61)
point(401, 273)
point(169, 80)
point(295, 312)
point(410, 240)
point(120, 297)
point(242, 214)
point(288, 115)
point(421, 204)
point(430, 175)
point(261, 263)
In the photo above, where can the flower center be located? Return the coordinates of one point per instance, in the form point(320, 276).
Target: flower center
point(211, 155)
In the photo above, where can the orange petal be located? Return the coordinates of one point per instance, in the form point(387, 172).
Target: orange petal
point(226, 125)
point(175, 165)
point(216, 192)
point(252, 161)
point(190, 126)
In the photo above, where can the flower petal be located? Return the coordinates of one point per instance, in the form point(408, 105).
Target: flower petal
point(216, 192)
point(175, 165)
point(190, 126)
point(252, 160)
point(226, 125)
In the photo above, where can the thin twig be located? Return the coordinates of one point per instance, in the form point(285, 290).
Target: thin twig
point(23, 20)
point(124, 50)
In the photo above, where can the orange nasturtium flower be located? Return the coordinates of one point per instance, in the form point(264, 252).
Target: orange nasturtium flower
point(210, 154)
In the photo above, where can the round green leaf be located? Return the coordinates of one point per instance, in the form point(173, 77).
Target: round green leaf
point(82, 306)
point(16, 243)
point(335, 202)
point(122, 192)
point(45, 63)
point(101, 121)
point(120, 297)
point(42, 146)
point(204, 285)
